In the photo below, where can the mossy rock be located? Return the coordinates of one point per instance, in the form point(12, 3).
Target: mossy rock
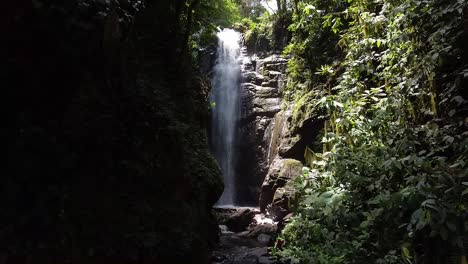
point(281, 171)
point(290, 168)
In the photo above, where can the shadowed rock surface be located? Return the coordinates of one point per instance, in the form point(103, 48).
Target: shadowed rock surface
point(248, 245)
point(262, 84)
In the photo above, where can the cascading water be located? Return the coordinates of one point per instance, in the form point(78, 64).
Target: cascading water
point(226, 113)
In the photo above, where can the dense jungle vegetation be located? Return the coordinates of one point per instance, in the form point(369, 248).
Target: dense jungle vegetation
point(389, 182)
point(107, 159)
point(387, 179)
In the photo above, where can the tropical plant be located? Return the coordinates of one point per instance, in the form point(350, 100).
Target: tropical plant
point(391, 184)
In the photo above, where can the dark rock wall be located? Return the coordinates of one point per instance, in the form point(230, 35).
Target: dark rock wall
point(107, 159)
point(274, 137)
point(261, 100)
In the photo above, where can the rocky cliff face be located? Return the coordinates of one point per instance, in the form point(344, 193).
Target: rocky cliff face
point(261, 101)
point(292, 131)
point(273, 137)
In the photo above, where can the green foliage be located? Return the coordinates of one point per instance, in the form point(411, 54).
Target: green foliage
point(251, 9)
point(214, 13)
point(210, 15)
point(258, 35)
point(314, 39)
point(391, 183)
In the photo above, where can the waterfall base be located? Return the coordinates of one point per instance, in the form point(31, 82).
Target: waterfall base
point(248, 245)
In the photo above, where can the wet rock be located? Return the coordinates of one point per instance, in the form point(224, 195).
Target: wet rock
point(240, 220)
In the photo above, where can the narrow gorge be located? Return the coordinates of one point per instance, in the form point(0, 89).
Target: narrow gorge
point(235, 132)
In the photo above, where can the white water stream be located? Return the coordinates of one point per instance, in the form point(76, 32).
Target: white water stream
point(226, 112)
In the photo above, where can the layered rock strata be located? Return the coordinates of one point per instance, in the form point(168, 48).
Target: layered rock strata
point(273, 137)
point(261, 99)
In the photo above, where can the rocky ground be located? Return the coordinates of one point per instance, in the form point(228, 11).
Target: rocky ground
point(245, 237)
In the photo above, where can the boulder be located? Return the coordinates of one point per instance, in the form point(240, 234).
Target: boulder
point(240, 220)
point(281, 171)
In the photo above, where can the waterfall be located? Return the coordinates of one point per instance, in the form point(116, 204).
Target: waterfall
point(225, 96)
